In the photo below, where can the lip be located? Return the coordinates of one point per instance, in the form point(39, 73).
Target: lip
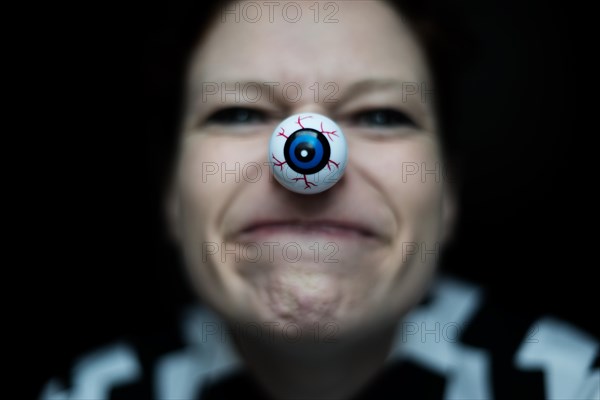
point(332, 228)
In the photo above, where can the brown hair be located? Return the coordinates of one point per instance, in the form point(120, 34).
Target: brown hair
point(169, 53)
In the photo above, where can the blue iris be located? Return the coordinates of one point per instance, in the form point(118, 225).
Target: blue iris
point(311, 142)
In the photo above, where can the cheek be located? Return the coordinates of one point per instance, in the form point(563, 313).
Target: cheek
point(410, 172)
point(419, 179)
point(211, 169)
point(201, 186)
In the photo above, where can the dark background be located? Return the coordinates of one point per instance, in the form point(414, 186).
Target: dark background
point(96, 258)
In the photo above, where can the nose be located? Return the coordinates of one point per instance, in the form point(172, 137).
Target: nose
point(308, 153)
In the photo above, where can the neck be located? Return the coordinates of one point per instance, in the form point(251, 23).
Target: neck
point(315, 369)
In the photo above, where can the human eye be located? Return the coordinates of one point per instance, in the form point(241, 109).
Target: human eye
point(383, 118)
point(236, 116)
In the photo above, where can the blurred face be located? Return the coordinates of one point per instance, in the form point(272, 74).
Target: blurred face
point(359, 254)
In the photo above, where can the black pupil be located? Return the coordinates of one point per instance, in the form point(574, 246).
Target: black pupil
point(305, 151)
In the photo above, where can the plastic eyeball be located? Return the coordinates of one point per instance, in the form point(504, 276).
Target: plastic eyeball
point(308, 153)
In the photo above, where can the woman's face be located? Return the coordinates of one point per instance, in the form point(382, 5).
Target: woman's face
point(358, 254)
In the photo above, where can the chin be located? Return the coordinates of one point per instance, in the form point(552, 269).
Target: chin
point(304, 303)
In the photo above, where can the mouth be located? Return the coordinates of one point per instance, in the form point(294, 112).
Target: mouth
point(327, 228)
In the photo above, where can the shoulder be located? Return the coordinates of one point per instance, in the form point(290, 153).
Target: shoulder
point(171, 365)
point(459, 343)
point(484, 350)
point(94, 374)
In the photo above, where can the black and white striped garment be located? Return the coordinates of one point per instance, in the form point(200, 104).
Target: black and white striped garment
point(455, 345)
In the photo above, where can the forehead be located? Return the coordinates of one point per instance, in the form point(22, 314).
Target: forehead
point(306, 42)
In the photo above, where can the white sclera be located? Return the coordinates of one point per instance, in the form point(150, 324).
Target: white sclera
point(316, 182)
